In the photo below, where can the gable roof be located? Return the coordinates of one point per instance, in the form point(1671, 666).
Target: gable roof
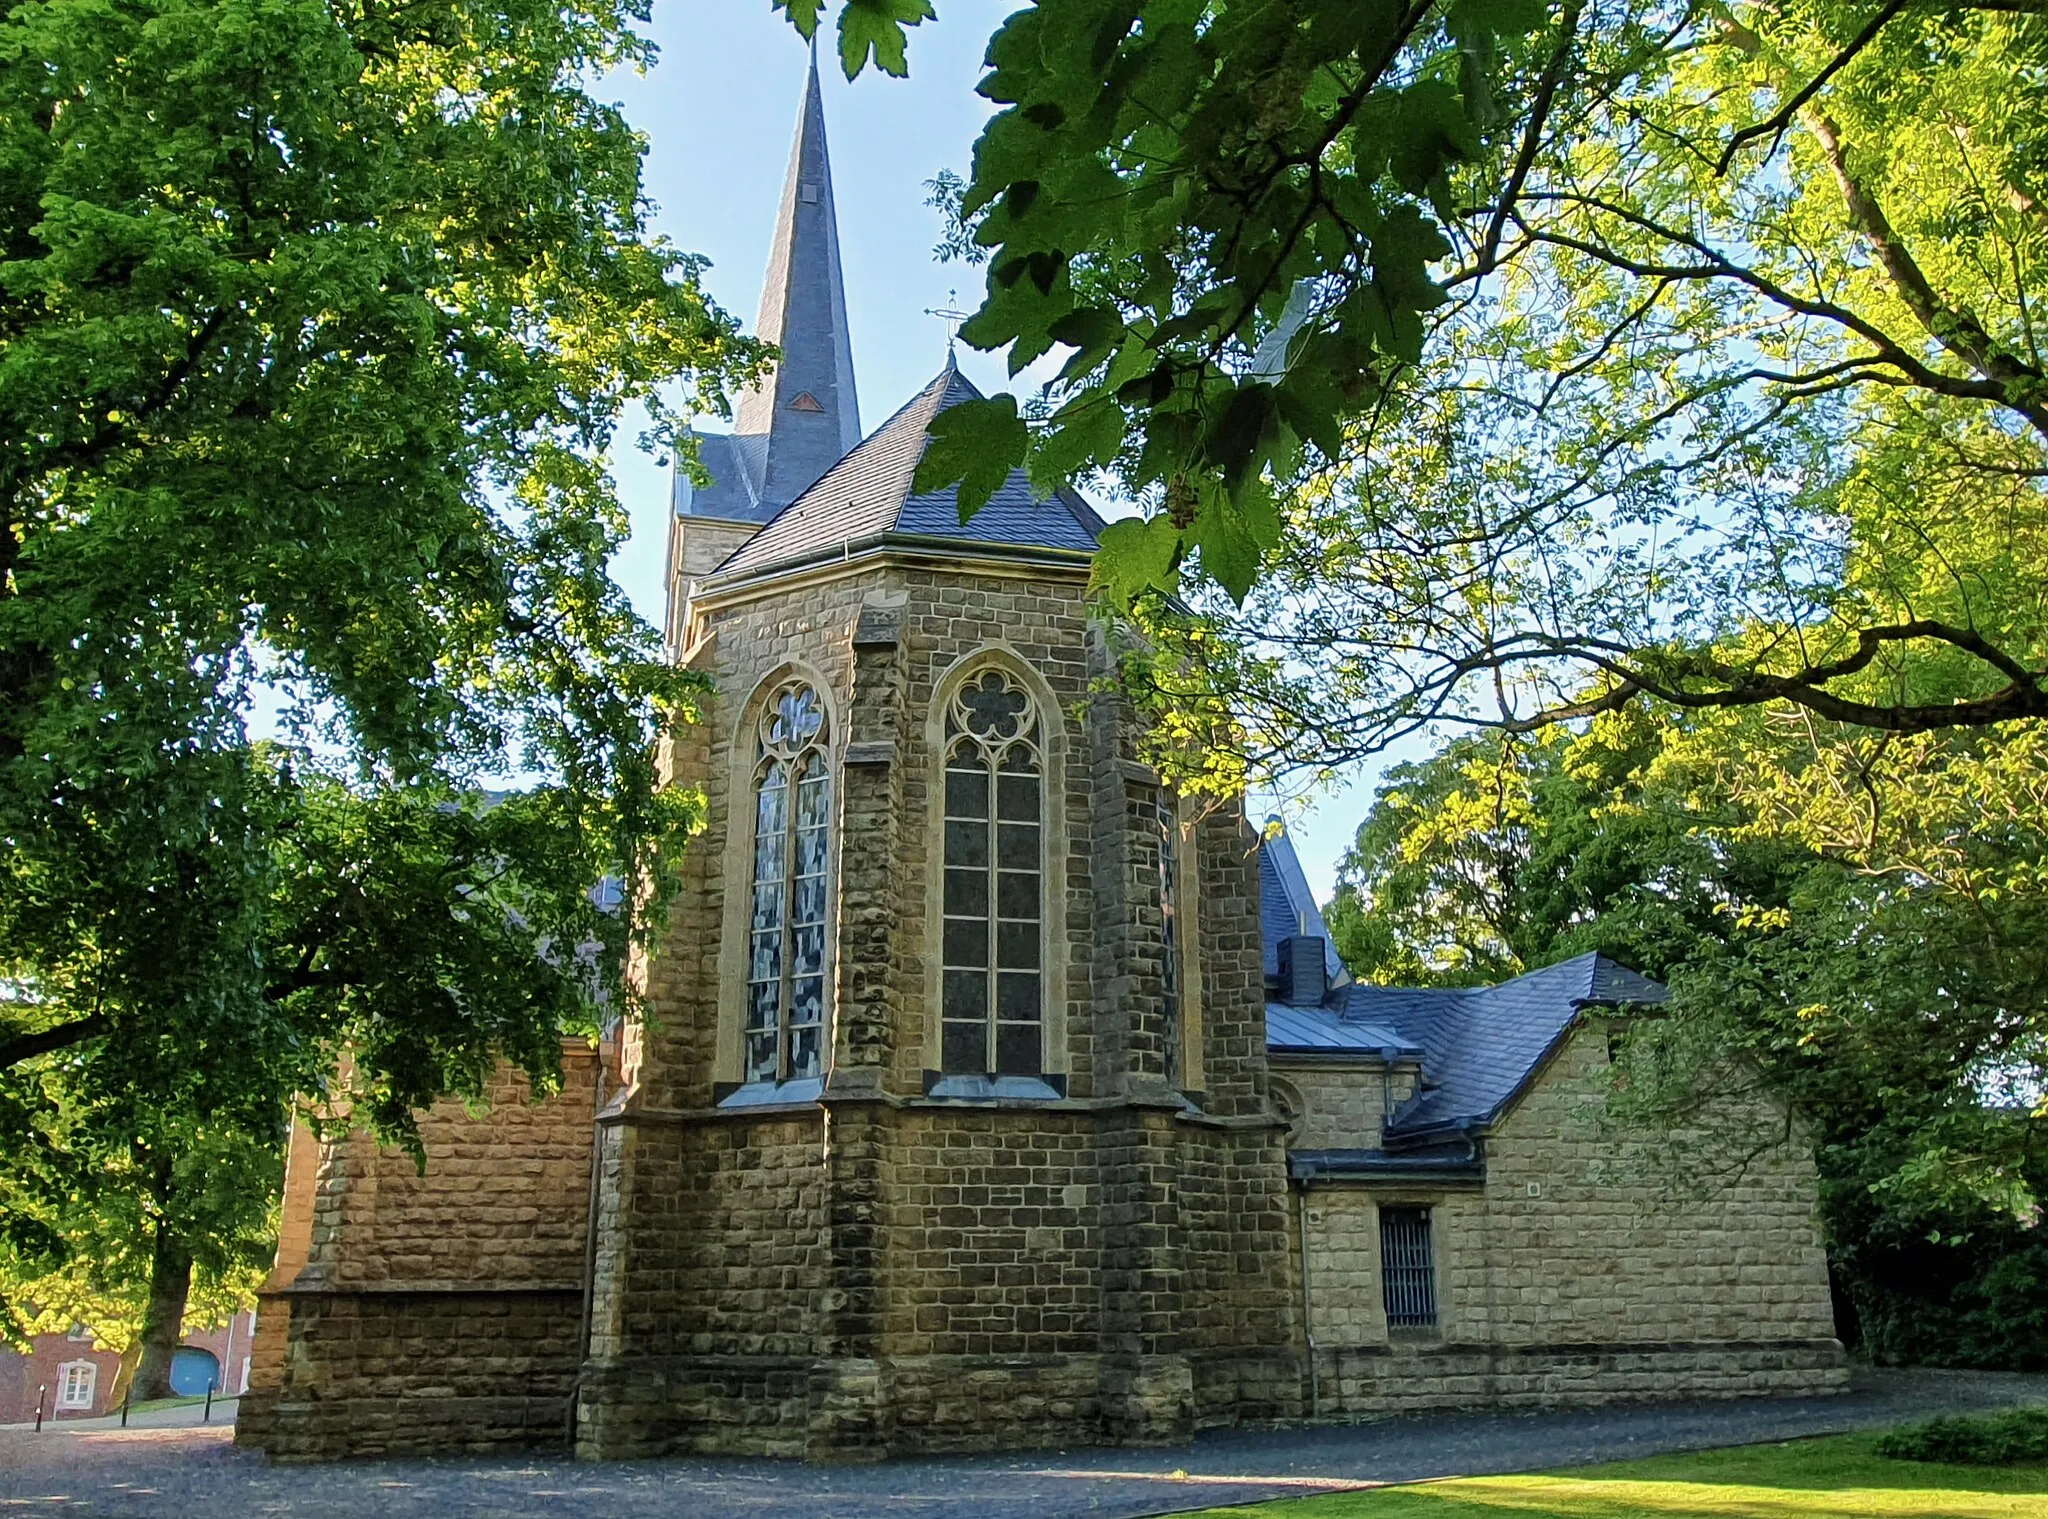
point(1478, 1046)
point(867, 497)
point(1482, 1045)
point(1286, 904)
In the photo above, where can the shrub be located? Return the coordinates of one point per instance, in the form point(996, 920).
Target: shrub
point(2019, 1434)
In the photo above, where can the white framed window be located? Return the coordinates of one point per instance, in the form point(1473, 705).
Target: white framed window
point(78, 1334)
point(76, 1383)
point(785, 1033)
point(992, 1000)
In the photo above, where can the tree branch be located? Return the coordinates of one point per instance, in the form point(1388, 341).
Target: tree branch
point(27, 1046)
point(1774, 126)
point(1532, 138)
point(1957, 331)
point(2021, 697)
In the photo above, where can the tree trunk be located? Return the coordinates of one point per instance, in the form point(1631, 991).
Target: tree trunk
point(163, 1321)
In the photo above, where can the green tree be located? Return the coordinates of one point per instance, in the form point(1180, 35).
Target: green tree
point(126, 1212)
point(414, 934)
point(1893, 1005)
point(1500, 854)
point(315, 326)
point(1521, 363)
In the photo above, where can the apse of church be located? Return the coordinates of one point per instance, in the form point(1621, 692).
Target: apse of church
point(989, 1096)
point(925, 1143)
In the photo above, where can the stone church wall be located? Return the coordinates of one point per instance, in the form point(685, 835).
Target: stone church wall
point(434, 1312)
point(1576, 1275)
point(888, 1272)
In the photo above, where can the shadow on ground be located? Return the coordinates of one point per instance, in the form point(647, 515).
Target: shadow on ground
point(188, 1471)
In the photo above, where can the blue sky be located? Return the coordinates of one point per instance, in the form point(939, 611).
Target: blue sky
point(718, 110)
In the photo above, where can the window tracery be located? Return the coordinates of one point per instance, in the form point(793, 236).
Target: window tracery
point(1169, 937)
point(992, 980)
point(785, 1030)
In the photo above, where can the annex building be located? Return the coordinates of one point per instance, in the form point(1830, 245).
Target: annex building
point(992, 1096)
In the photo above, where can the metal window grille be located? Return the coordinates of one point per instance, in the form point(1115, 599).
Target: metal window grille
point(1407, 1273)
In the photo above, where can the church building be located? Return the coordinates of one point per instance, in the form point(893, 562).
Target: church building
point(990, 1096)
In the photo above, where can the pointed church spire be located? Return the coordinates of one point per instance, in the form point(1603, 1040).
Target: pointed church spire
point(803, 416)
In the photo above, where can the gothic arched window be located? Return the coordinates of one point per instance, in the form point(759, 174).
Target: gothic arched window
point(993, 997)
point(1170, 936)
point(786, 933)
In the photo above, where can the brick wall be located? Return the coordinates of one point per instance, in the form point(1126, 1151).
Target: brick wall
point(434, 1311)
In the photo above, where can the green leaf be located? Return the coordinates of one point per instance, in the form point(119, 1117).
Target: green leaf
point(876, 28)
point(1086, 431)
point(1229, 542)
point(1242, 430)
point(803, 15)
point(975, 444)
point(1137, 554)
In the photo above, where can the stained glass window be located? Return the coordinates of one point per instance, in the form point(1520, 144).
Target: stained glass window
point(786, 924)
point(992, 994)
point(1169, 936)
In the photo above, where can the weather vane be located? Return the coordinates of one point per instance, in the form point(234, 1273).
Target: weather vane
point(952, 316)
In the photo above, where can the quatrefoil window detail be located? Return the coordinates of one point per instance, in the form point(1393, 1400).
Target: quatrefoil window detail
point(793, 719)
point(992, 708)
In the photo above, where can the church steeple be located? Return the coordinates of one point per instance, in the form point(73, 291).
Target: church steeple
point(804, 416)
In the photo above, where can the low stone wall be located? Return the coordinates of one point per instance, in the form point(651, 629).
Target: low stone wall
point(1375, 1381)
point(381, 1373)
point(419, 1312)
point(697, 1405)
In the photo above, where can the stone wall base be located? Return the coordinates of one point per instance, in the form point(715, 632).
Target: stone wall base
point(412, 1373)
point(1369, 1382)
point(862, 1410)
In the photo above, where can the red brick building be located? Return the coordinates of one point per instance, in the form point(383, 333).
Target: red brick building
point(76, 1380)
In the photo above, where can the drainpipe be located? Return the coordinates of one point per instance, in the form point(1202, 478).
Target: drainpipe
point(1308, 1312)
point(589, 1248)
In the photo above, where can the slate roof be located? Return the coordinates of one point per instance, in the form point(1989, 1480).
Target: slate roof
point(804, 414)
point(1477, 1046)
point(867, 497)
point(1482, 1044)
point(1285, 901)
point(1324, 1031)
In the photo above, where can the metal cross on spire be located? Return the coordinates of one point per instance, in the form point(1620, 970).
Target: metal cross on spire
point(952, 316)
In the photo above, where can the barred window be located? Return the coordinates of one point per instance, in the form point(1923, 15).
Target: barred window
point(786, 933)
point(992, 996)
point(1169, 936)
point(1407, 1273)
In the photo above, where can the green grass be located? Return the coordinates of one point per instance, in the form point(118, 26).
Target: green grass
point(1837, 1478)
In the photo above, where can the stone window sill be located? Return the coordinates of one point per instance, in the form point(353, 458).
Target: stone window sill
point(803, 1093)
point(992, 1089)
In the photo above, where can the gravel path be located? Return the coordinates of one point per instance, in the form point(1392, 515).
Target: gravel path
point(190, 1471)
